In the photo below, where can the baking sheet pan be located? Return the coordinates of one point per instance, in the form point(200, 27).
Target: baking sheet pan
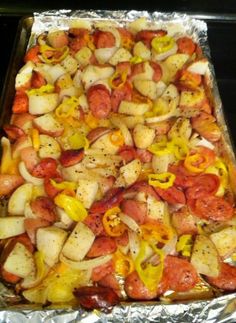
point(223, 307)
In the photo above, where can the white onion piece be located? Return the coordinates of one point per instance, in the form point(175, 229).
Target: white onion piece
point(104, 54)
point(169, 247)
point(134, 244)
point(205, 143)
point(27, 176)
point(131, 223)
point(162, 56)
point(85, 264)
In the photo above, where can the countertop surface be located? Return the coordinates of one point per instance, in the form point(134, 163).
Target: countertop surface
point(221, 34)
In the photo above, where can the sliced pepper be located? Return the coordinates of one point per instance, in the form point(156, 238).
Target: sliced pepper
point(73, 207)
point(136, 60)
point(91, 121)
point(117, 138)
point(67, 107)
point(184, 245)
point(149, 273)
point(162, 44)
point(45, 89)
point(194, 163)
point(163, 180)
point(118, 79)
point(179, 146)
point(53, 55)
point(35, 139)
point(112, 222)
point(160, 148)
point(78, 141)
point(155, 233)
point(123, 264)
point(64, 185)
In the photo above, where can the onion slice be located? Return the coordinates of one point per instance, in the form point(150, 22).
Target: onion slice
point(27, 176)
point(131, 223)
point(85, 264)
point(134, 244)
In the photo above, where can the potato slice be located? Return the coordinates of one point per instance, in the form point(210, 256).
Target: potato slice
point(133, 108)
point(104, 54)
point(147, 88)
point(143, 136)
point(174, 63)
point(225, 241)
point(205, 257)
point(83, 56)
point(70, 64)
point(160, 163)
point(20, 261)
point(49, 147)
point(142, 51)
point(79, 242)
point(19, 198)
point(50, 241)
point(11, 226)
point(129, 173)
point(48, 125)
point(44, 103)
point(24, 76)
point(121, 55)
point(105, 144)
point(86, 191)
point(92, 74)
point(132, 121)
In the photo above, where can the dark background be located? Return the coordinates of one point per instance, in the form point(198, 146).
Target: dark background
point(220, 16)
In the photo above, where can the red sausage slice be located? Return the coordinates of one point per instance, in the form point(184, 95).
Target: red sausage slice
point(135, 209)
point(180, 274)
point(102, 246)
point(227, 278)
point(99, 101)
point(104, 39)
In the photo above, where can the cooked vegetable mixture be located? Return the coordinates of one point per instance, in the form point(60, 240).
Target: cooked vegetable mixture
point(113, 169)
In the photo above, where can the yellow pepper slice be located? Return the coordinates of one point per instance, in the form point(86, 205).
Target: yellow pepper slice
point(64, 185)
point(91, 121)
point(35, 138)
point(179, 146)
point(156, 232)
point(118, 79)
point(163, 180)
point(193, 163)
point(112, 222)
point(136, 60)
point(219, 168)
point(162, 44)
point(149, 273)
point(117, 138)
point(159, 148)
point(67, 107)
point(184, 245)
point(45, 89)
point(78, 141)
point(8, 164)
point(123, 264)
point(73, 207)
point(58, 54)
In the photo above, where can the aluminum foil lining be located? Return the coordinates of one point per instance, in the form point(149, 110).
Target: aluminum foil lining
point(220, 309)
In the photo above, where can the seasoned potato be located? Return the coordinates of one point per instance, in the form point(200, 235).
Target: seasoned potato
point(143, 136)
point(225, 241)
point(129, 173)
point(205, 257)
point(121, 55)
point(133, 108)
point(147, 88)
point(142, 51)
point(79, 242)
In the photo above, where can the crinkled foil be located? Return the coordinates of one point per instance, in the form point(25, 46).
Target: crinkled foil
point(220, 309)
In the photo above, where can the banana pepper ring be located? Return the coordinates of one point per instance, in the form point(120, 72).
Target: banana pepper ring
point(118, 79)
point(112, 223)
point(163, 180)
point(123, 263)
point(156, 233)
point(56, 54)
point(162, 44)
point(67, 107)
point(184, 245)
point(73, 207)
point(149, 273)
